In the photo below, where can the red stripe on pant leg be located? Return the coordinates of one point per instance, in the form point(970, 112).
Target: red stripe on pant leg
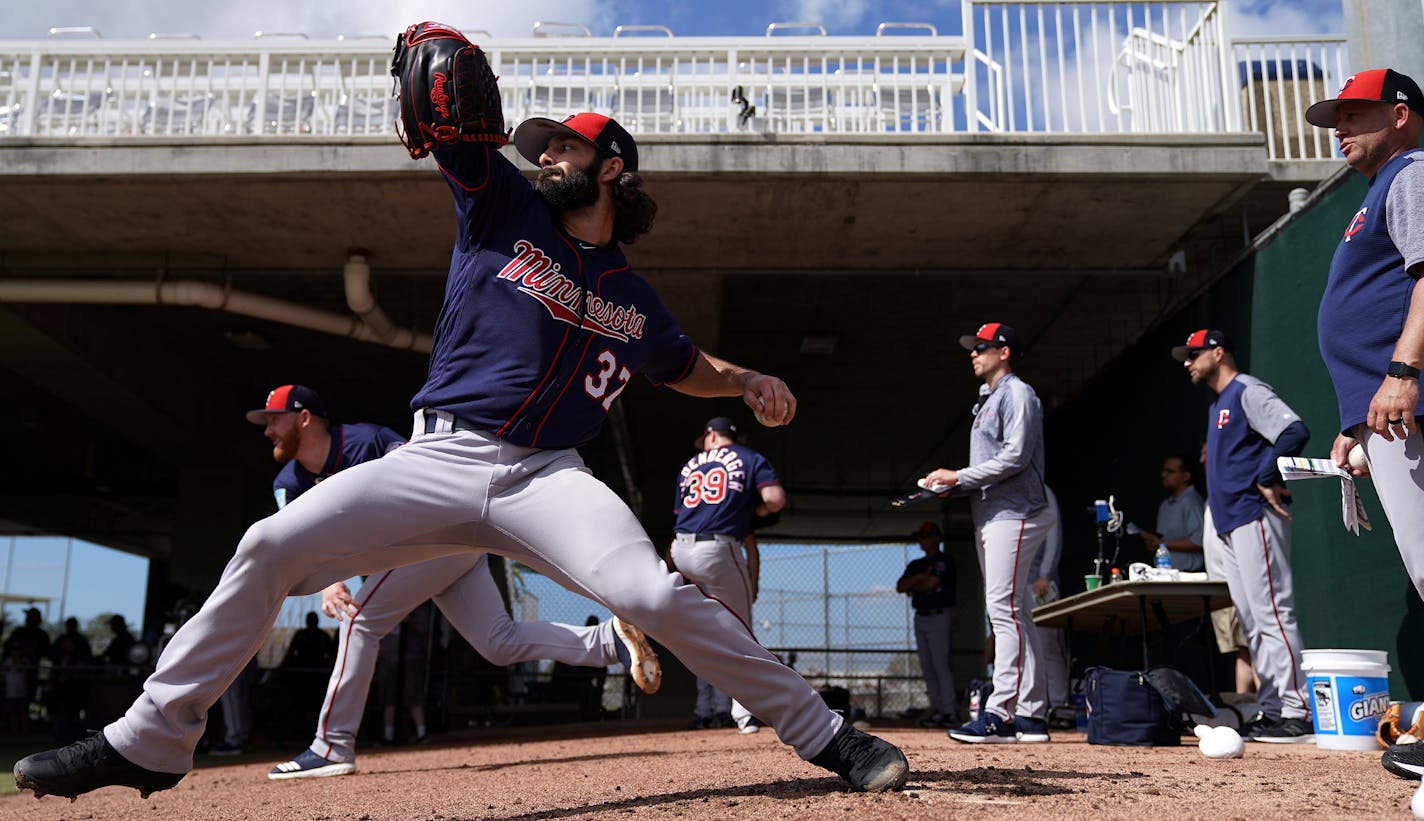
point(346, 644)
point(1271, 585)
point(1013, 611)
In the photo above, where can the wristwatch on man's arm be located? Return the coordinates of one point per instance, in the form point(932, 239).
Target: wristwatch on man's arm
point(1402, 370)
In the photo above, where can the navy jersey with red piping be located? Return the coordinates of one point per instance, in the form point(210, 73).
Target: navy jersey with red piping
point(350, 445)
point(539, 333)
point(719, 489)
point(1366, 299)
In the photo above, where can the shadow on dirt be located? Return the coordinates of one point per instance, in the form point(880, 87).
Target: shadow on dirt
point(985, 782)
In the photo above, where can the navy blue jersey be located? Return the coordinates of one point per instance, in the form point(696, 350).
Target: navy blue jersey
point(539, 332)
point(1365, 301)
point(719, 489)
point(941, 567)
point(1245, 420)
point(350, 445)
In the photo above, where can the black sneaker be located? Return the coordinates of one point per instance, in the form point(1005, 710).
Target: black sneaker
point(1284, 731)
point(86, 765)
point(867, 763)
point(1405, 760)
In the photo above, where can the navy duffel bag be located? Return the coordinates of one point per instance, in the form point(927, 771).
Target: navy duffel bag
point(1128, 708)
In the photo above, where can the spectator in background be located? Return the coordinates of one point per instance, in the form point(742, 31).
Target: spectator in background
point(1179, 517)
point(18, 690)
point(1043, 584)
point(929, 581)
point(237, 711)
point(29, 638)
point(117, 652)
point(311, 647)
point(68, 691)
point(400, 673)
point(72, 647)
point(580, 685)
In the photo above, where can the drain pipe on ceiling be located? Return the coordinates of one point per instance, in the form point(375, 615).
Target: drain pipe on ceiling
point(362, 302)
point(218, 298)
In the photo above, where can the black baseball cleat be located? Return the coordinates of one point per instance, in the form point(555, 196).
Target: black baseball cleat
point(86, 765)
point(867, 763)
point(1405, 760)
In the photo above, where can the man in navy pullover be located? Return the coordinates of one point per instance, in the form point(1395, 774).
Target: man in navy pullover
point(1248, 428)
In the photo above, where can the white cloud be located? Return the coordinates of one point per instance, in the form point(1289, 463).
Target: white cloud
point(1273, 18)
point(225, 20)
point(834, 14)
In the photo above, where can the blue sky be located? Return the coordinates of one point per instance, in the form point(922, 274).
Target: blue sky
point(100, 580)
point(216, 20)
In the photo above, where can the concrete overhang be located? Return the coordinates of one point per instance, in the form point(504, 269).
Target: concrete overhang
point(730, 204)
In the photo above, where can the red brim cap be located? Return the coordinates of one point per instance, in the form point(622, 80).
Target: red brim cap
point(1381, 85)
point(288, 399)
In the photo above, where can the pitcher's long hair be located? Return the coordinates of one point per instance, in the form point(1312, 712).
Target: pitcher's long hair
point(633, 208)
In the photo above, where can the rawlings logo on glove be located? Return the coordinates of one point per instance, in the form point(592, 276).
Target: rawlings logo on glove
point(447, 90)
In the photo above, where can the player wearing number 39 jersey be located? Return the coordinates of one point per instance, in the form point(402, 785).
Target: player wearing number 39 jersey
point(543, 324)
point(718, 492)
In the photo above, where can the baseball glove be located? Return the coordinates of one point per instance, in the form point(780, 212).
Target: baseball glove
point(448, 92)
point(1395, 723)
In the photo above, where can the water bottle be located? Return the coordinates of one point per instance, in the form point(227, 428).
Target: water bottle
point(1164, 556)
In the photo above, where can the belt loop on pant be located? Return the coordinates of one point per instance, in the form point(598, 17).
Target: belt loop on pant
point(429, 420)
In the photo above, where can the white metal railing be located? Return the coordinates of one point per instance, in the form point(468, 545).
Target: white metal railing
point(1277, 80)
point(1096, 66)
point(1106, 66)
point(653, 85)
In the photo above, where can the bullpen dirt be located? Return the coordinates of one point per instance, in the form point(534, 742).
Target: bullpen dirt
point(582, 773)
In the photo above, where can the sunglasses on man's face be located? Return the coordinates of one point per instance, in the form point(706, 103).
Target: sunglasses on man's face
point(1192, 355)
point(984, 346)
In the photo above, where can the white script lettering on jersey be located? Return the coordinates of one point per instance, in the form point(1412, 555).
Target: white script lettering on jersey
point(727, 458)
point(539, 276)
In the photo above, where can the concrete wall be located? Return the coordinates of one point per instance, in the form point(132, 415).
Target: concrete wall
point(1351, 591)
point(1385, 34)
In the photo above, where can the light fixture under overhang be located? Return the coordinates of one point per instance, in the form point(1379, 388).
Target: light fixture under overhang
point(818, 344)
point(247, 340)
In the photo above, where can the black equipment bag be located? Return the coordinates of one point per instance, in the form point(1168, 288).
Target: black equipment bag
point(1125, 709)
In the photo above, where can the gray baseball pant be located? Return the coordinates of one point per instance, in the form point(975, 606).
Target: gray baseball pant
point(718, 566)
point(443, 494)
point(932, 639)
point(1225, 622)
point(1006, 548)
point(1054, 660)
point(472, 604)
point(1397, 470)
point(1256, 560)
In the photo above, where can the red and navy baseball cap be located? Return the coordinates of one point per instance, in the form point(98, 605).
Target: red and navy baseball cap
point(925, 530)
point(1200, 341)
point(718, 424)
point(288, 399)
point(995, 333)
point(1380, 85)
point(611, 139)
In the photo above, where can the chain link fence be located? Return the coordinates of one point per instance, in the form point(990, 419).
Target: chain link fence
point(829, 610)
point(832, 613)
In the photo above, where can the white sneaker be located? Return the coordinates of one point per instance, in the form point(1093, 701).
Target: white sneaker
point(310, 765)
point(746, 725)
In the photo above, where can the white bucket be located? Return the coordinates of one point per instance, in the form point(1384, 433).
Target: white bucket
point(1349, 692)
